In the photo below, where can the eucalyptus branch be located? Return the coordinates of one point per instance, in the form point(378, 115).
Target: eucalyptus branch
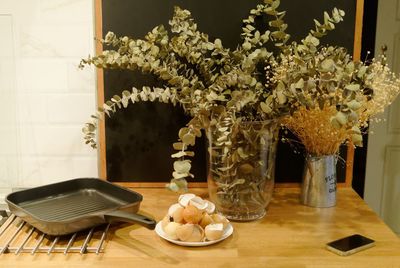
point(220, 88)
point(165, 95)
point(311, 41)
point(187, 137)
point(253, 39)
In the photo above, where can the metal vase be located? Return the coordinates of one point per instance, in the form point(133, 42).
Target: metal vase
point(319, 181)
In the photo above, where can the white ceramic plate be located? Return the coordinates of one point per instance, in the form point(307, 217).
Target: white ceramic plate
point(228, 231)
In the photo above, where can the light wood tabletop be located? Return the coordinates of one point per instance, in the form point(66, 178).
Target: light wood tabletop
point(290, 235)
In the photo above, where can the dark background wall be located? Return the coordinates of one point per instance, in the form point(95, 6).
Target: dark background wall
point(139, 139)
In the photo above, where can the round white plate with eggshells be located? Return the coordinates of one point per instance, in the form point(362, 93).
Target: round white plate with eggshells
point(193, 222)
point(227, 232)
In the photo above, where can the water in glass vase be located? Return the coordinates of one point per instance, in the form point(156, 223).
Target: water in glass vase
point(241, 167)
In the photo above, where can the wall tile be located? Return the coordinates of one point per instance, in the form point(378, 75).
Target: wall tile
point(54, 140)
point(43, 170)
point(32, 108)
point(8, 141)
point(84, 167)
point(66, 11)
point(9, 170)
point(54, 40)
point(80, 80)
point(43, 75)
point(44, 141)
point(70, 108)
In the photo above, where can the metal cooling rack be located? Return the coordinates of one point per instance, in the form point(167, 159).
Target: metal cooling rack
point(17, 236)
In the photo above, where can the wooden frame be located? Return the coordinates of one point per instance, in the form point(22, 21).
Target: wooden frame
point(100, 100)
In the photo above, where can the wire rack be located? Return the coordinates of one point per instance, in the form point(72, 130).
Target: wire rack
point(17, 236)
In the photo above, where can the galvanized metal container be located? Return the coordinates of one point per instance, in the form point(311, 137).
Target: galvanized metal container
point(319, 181)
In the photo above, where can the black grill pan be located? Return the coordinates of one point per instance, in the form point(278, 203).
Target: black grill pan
point(70, 206)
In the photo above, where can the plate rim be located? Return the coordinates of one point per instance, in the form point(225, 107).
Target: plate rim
point(160, 232)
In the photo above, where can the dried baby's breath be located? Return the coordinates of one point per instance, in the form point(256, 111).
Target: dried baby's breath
point(314, 129)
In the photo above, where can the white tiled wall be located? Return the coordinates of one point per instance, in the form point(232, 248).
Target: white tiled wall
point(49, 98)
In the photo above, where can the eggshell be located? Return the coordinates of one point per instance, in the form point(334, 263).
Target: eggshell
point(214, 231)
point(210, 207)
point(170, 230)
point(175, 211)
point(191, 214)
point(199, 203)
point(184, 199)
point(197, 235)
point(220, 219)
point(206, 220)
point(190, 233)
point(184, 232)
point(165, 221)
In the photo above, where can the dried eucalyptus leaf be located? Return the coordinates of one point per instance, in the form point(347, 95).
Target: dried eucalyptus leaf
point(299, 84)
point(357, 140)
point(353, 87)
point(236, 182)
point(281, 97)
point(179, 146)
point(182, 153)
point(246, 168)
point(182, 132)
point(328, 65)
point(354, 105)
point(241, 153)
point(178, 154)
point(341, 118)
point(91, 127)
point(265, 108)
point(189, 139)
point(182, 166)
point(178, 175)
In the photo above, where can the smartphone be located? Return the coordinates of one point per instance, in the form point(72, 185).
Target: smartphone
point(350, 245)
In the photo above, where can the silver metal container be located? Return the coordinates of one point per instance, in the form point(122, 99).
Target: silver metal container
point(319, 181)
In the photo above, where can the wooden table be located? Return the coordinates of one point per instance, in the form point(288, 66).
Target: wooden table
point(291, 235)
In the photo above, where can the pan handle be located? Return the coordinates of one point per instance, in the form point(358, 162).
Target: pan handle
point(123, 216)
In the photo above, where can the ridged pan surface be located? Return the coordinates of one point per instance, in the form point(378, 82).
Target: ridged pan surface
point(71, 205)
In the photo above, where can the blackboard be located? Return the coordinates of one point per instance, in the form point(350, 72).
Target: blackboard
point(138, 141)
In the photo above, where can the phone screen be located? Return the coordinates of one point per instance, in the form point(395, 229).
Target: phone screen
point(350, 242)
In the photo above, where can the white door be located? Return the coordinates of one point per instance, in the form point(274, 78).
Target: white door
point(8, 122)
point(382, 182)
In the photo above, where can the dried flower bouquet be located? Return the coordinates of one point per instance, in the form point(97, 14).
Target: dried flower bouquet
point(317, 90)
point(332, 97)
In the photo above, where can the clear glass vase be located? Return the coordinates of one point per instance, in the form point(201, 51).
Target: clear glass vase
point(241, 168)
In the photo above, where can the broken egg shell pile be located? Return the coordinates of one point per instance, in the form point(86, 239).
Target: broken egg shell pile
point(193, 219)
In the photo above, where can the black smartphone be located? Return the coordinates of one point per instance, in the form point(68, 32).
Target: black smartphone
point(350, 245)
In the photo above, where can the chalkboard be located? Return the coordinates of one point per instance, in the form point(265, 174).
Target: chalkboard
point(138, 141)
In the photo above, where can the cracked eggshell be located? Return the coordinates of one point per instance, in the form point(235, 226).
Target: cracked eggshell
point(206, 220)
point(191, 214)
point(214, 231)
point(175, 211)
point(170, 229)
point(199, 203)
point(190, 233)
point(220, 219)
point(210, 207)
point(165, 221)
point(184, 199)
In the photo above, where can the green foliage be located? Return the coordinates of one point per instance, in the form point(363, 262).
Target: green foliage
point(210, 81)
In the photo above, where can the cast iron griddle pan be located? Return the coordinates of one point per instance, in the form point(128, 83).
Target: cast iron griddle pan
point(70, 206)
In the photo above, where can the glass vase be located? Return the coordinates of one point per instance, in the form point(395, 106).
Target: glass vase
point(319, 181)
point(242, 168)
